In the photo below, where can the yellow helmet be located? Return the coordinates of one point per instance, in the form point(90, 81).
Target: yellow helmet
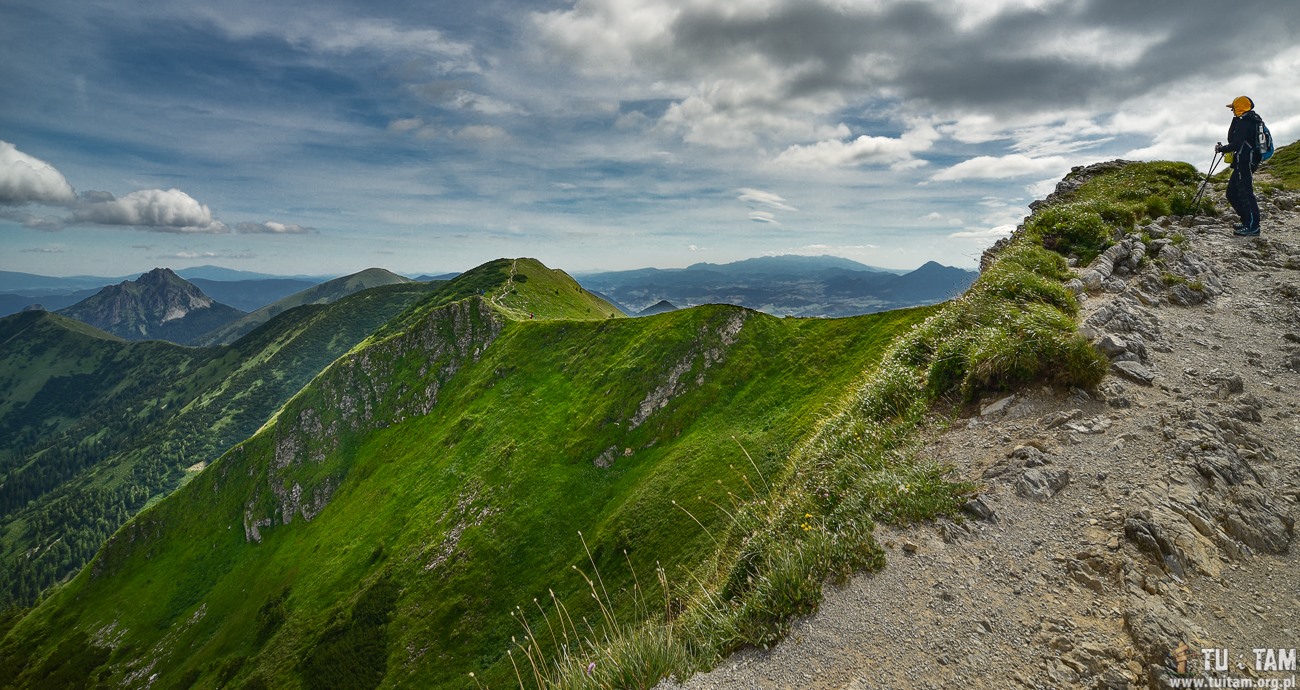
point(1241, 105)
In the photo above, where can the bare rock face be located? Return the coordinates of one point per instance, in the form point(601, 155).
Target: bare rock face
point(711, 347)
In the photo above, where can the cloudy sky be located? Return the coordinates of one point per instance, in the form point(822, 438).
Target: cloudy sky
point(327, 137)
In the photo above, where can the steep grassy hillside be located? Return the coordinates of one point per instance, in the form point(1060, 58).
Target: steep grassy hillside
point(91, 427)
point(324, 293)
point(384, 527)
point(520, 288)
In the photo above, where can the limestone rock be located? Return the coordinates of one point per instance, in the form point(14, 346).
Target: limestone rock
point(1042, 483)
point(1135, 372)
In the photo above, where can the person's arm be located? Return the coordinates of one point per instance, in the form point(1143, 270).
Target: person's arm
point(1236, 137)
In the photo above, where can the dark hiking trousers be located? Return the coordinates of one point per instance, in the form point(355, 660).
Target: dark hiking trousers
point(1241, 194)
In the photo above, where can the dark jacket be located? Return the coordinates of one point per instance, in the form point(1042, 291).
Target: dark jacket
point(1242, 142)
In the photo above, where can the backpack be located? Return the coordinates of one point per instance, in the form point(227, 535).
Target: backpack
point(1264, 142)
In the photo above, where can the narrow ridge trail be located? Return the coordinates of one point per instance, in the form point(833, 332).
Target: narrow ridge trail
point(510, 285)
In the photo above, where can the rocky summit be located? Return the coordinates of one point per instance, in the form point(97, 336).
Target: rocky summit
point(158, 305)
point(1118, 532)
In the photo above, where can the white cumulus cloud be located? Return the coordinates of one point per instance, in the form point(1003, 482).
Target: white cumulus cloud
point(47, 249)
point(153, 209)
point(405, 125)
point(189, 254)
point(984, 233)
point(864, 150)
point(484, 134)
point(24, 179)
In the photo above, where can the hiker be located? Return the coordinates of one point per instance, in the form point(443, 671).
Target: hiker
point(1241, 154)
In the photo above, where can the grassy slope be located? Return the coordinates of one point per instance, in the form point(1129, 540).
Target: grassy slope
point(1283, 167)
point(150, 404)
point(270, 364)
point(492, 486)
point(38, 346)
point(542, 293)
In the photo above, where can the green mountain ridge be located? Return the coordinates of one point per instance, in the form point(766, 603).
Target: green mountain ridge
point(439, 474)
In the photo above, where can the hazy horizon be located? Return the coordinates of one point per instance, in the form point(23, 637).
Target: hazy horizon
point(131, 275)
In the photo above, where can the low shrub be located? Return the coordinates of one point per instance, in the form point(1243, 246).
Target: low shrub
point(1078, 229)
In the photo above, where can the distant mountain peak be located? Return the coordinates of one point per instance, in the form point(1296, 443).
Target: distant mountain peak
point(799, 262)
point(158, 274)
point(660, 307)
point(157, 305)
point(790, 285)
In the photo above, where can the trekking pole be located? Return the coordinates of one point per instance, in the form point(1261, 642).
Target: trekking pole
point(1196, 203)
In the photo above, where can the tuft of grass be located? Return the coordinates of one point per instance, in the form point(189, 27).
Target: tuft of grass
point(1078, 228)
point(1139, 188)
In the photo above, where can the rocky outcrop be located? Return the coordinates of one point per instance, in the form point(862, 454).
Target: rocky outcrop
point(710, 348)
point(713, 341)
point(377, 386)
point(1073, 180)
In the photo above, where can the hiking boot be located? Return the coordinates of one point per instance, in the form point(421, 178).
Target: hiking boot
point(1241, 231)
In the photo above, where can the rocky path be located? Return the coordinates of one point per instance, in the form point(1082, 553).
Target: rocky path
point(1115, 525)
point(508, 286)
